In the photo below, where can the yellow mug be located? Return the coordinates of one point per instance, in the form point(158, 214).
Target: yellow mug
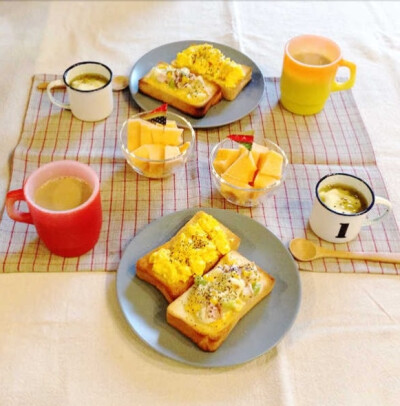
point(309, 72)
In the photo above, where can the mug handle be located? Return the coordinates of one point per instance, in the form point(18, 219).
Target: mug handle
point(383, 202)
point(51, 85)
point(17, 215)
point(336, 86)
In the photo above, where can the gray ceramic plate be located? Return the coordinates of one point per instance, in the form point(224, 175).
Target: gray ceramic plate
point(260, 330)
point(224, 112)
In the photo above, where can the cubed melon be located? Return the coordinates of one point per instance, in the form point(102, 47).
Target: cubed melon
point(172, 136)
point(235, 195)
point(259, 153)
point(145, 133)
point(184, 147)
point(133, 134)
point(157, 134)
point(242, 169)
point(156, 152)
point(141, 152)
point(272, 165)
point(171, 124)
point(224, 158)
point(170, 153)
point(262, 181)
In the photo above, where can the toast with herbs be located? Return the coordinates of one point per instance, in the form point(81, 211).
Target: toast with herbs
point(180, 88)
point(193, 251)
point(209, 310)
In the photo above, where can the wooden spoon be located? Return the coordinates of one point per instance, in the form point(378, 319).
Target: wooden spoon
point(118, 83)
point(305, 250)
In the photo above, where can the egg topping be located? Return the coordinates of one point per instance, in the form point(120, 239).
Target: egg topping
point(201, 244)
point(223, 290)
point(210, 62)
point(180, 81)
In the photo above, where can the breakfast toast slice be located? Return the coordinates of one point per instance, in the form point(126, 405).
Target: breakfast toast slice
point(193, 251)
point(180, 88)
point(213, 65)
point(209, 310)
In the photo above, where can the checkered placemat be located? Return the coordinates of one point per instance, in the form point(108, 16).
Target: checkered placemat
point(334, 140)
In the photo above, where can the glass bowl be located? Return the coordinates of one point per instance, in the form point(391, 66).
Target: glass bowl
point(247, 196)
point(158, 168)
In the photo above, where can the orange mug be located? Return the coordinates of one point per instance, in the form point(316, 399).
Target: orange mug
point(309, 70)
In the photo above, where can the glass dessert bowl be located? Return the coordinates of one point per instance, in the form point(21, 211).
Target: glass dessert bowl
point(155, 150)
point(246, 177)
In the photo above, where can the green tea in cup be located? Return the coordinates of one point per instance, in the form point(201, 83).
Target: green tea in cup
point(88, 81)
point(343, 198)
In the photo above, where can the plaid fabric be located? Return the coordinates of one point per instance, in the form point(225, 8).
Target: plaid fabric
point(334, 140)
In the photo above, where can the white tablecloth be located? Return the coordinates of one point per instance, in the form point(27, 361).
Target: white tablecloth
point(63, 339)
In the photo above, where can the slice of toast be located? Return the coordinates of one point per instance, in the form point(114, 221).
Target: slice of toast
point(181, 89)
point(230, 93)
point(209, 310)
point(194, 250)
point(213, 65)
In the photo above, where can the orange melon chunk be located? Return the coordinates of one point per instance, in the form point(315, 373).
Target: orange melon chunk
point(242, 170)
point(141, 152)
point(259, 153)
point(170, 153)
point(224, 158)
point(272, 165)
point(145, 133)
point(133, 134)
point(171, 123)
point(262, 181)
point(172, 136)
point(157, 134)
point(156, 152)
point(184, 147)
point(154, 141)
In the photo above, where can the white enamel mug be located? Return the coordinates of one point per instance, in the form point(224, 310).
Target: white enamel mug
point(86, 105)
point(333, 226)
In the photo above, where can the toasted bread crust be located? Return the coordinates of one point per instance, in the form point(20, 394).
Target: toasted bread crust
point(163, 92)
point(144, 269)
point(207, 337)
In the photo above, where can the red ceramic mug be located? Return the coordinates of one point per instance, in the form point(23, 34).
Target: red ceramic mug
point(66, 232)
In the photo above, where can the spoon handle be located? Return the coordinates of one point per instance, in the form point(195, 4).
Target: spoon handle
point(43, 86)
point(393, 258)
